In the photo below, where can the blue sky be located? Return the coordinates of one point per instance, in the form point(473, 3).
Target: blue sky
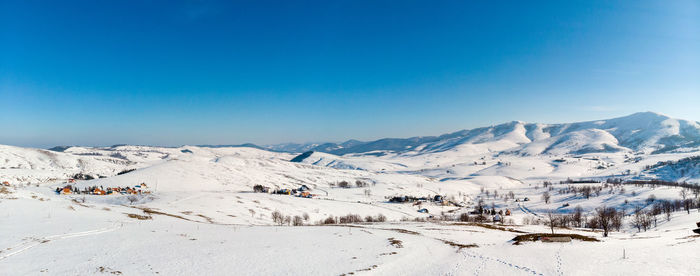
point(227, 72)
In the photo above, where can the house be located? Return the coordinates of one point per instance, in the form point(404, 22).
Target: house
point(697, 231)
point(66, 190)
point(305, 194)
point(71, 180)
point(497, 218)
point(507, 212)
point(423, 210)
point(304, 188)
point(437, 198)
point(6, 183)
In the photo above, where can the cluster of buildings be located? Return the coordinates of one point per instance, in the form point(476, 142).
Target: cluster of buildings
point(302, 191)
point(95, 190)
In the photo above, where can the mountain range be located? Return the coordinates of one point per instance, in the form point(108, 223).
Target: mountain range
point(647, 132)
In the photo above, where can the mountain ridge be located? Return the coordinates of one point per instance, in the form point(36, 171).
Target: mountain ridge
point(642, 131)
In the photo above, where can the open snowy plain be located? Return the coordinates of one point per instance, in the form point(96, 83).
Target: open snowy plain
point(198, 214)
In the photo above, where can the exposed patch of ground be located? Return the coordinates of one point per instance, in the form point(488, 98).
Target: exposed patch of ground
point(103, 269)
point(403, 231)
point(396, 243)
point(139, 217)
point(459, 246)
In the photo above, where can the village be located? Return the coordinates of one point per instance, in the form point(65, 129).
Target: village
point(70, 188)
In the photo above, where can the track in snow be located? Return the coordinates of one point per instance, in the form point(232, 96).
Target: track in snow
point(26, 245)
point(483, 258)
point(559, 261)
point(527, 211)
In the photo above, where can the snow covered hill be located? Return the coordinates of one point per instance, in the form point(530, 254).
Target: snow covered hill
point(645, 131)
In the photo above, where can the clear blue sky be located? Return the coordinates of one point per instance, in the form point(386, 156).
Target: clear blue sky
point(226, 72)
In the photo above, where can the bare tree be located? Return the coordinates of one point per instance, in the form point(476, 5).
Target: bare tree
point(638, 219)
point(552, 220)
point(277, 217)
point(132, 199)
point(687, 204)
point(577, 216)
point(586, 192)
point(297, 221)
point(546, 197)
point(684, 193)
point(604, 217)
point(668, 209)
point(617, 218)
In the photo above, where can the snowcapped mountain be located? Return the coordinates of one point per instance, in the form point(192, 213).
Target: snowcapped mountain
point(647, 132)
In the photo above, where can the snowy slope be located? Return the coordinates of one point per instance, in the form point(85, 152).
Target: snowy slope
point(201, 216)
point(26, 165)
point(644, 131)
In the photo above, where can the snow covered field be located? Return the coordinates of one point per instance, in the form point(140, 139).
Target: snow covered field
point(198, 214)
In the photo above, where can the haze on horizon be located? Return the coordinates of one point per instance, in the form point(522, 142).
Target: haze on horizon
point(222, 72)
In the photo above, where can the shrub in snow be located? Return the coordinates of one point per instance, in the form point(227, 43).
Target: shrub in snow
point(343, 184)
point(297, 221)
point(329, 220)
